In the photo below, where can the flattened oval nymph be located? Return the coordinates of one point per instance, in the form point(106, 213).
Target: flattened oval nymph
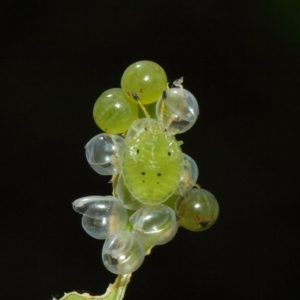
point(152, 162)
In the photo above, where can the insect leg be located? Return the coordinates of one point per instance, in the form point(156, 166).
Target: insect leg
point(162, 107)
point(172, 118)
point(198, 186)
point(136, 97)
point(113, 181)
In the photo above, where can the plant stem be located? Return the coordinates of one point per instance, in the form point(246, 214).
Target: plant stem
point(122, 282)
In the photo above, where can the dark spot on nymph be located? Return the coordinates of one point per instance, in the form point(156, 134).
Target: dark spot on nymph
point(158, 174)
point(169, 153)
point(164, 95)
point(137, 151)
point(143, 173)
point(135, 96)
point(204, 224)
point(112, 261)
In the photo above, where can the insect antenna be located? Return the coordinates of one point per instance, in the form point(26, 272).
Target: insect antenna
point(162, 107)
point(171, 118)
point(136, 97)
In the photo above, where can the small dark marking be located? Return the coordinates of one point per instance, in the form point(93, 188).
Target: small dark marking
point(135, 96)
point(143, 173)
point(143, 180)
point(141, 90)
point(137, 151)
point(204, 224)
point(146, 128)
point(169, 153)
point(128, 94)
point(157, 182)
point(112, 261)
point(164, 95)
point(158, 174)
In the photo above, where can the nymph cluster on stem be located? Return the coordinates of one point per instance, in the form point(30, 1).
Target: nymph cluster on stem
point(154, 183)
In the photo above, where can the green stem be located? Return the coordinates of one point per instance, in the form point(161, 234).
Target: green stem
point(115, 291)
point(123, 282)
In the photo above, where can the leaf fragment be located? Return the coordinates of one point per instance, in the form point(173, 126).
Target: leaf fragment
point(115, 291)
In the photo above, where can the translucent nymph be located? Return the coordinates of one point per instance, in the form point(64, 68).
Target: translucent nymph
point(180, 111)
point(103, 153)
point(101, 215)
point(152, 162)
point(154, 224)
point(122, 252)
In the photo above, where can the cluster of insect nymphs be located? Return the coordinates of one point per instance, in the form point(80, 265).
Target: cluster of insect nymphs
point(154, 182)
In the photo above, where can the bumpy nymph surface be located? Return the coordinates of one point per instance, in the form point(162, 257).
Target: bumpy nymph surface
point(152, 162)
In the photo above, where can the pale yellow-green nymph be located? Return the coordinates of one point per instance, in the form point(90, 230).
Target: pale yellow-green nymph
point(152, 161)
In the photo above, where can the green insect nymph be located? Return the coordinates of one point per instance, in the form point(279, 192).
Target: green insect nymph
point(152, 161)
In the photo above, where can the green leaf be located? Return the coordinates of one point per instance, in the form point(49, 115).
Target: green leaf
point(115, 291)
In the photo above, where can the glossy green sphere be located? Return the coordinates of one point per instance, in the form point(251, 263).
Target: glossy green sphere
point(145, 78)
point(113, 113)
point(197, 210)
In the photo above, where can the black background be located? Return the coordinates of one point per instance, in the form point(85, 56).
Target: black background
point(241, 61)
